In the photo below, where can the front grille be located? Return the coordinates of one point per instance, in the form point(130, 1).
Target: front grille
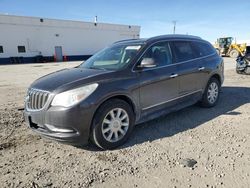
point(37, 99)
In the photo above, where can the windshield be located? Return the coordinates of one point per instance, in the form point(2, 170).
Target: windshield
point(112, 58)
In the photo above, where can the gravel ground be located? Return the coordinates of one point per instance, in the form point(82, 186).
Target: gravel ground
point(194, 147)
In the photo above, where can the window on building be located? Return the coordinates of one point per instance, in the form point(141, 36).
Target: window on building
point(1, 49)
point(21, 49)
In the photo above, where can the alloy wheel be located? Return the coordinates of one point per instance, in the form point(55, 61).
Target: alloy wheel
point(115, 125)
point(213, 92)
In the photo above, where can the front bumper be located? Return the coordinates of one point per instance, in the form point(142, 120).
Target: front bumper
point(69, 125)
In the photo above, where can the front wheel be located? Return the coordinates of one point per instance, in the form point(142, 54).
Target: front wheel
point(234, 53)
point(112, 124)
point(211, 94)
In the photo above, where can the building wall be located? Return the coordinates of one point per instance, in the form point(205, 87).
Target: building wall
point(40, 36)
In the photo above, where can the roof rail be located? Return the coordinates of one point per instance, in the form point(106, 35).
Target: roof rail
point(124, 40)
point(177, 36)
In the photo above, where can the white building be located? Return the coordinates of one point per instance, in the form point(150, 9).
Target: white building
point(22, 39)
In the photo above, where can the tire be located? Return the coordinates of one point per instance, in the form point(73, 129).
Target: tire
point(208, 94)
point(247, 70)
point(109, 129)
point(234, 53)
point(238, 72)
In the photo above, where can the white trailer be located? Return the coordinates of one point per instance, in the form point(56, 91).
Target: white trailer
point(23, 39)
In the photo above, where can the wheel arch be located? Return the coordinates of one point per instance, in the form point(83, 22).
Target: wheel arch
point(216, 76)
point(123, 97)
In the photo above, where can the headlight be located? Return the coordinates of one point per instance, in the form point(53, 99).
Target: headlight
point(72, 97)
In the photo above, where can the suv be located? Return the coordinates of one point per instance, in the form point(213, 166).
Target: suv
point(128, 83)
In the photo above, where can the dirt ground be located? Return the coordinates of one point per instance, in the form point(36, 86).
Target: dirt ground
point(194, 147)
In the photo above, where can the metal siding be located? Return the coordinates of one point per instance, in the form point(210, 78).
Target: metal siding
point(76, 38)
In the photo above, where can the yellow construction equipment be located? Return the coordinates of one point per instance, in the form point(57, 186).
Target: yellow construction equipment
point(226, 47)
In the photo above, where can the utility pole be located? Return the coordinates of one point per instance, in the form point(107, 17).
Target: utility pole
point(174, 22)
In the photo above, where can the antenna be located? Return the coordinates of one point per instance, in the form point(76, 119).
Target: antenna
point(174, 22)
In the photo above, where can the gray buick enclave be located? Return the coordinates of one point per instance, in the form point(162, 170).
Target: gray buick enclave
point(127, 83)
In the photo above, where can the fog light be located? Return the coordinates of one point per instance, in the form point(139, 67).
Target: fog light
point(55, 129)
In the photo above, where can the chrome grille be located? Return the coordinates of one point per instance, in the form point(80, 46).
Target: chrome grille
point(37, 99)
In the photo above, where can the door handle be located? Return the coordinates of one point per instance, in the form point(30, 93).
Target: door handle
point(201, 68)
point(174, 75)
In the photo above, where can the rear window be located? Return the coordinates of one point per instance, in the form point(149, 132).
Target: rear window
point(183, 51)
point(203, 49)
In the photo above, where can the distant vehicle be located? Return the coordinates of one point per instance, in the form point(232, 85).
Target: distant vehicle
point(128, 83)
point(243, 63)
point(226, 47)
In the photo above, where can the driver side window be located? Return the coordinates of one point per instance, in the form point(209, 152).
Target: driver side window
point(159, 54)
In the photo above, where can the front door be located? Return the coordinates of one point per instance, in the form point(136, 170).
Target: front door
point(58, 53)
point(159, 85)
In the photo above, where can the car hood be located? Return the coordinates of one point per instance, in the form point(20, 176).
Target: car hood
point(68, 78)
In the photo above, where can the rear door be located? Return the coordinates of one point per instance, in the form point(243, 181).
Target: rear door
point(205, 56)
point(187, 67)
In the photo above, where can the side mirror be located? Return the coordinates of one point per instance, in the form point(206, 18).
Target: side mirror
point(147, 63)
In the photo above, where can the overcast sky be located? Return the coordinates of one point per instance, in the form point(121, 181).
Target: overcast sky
point(209, 19)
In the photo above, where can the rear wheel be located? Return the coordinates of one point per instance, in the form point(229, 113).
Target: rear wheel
point(247, 70)
point(112, 124)
point(211, 94)
point(234, 53)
